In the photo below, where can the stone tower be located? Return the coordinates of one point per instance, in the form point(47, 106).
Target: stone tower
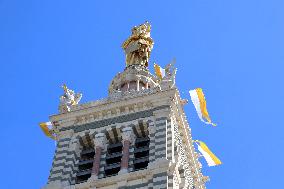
point(137, 137)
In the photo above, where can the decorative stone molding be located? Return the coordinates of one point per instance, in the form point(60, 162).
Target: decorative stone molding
point(119, 95)
point(94, 111)
point(122, 183)
point(183, 158)
point(180, 120)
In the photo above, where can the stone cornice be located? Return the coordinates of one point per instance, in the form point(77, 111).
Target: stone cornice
point(113, 120)
point(108, 108)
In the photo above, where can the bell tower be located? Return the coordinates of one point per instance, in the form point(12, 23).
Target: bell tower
point(137, 137)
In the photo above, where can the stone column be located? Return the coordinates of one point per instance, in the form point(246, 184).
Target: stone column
point(99, 142)
point(128, 85)
point(127, 139)
point(147, 83)
point(137, 83)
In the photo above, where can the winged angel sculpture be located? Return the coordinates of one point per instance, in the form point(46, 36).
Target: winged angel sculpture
point(68, 99)
point(169, 76)
point(170, 72)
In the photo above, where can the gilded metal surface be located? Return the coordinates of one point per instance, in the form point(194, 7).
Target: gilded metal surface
point(139, 45)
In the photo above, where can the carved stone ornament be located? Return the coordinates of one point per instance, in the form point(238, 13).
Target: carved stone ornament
point(68, 99)
point(169, 80)
point(205, 179)
point(117, 96)
point(182, 159)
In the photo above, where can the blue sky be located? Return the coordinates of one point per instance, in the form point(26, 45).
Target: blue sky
point(232, 49)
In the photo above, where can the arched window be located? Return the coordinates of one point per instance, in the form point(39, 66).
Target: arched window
point(141, 153)
point(86, 160)
point(113, 158)
point(114, 152)
point(141, 147)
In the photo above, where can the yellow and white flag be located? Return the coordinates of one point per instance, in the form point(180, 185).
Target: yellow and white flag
point(210, 158)
point(46, 127)
point(160, 72)
point(199, 102)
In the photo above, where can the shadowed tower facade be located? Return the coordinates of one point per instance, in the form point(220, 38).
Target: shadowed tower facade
point(137, 137)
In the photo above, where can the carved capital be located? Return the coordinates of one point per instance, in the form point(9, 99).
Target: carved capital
point(127, 134)
point(100, 140)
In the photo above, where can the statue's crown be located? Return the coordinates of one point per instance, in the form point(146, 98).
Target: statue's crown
point(142, 30)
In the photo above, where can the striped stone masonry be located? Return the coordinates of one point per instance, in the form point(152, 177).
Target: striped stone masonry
point(68, 176)
point(152, 131)
point(59, 160)
point(160, 180)
point(160, 131)
point(112, 152)
point(161, 138)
